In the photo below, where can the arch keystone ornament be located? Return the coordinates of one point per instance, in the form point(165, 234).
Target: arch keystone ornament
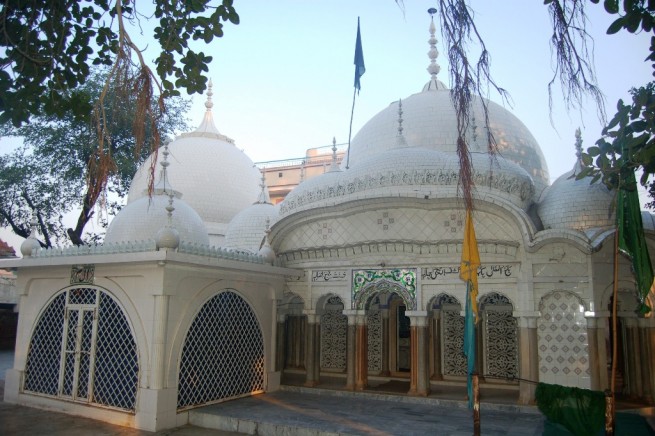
point(367, 283)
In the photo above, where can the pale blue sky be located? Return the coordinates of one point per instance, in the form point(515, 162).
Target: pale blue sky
point(283, 78)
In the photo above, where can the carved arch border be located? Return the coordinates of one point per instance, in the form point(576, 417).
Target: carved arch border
point(361, 299)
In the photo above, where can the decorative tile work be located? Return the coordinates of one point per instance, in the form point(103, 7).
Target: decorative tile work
point(334, 327)
point(374, 328)
point(385, 221)
point(452, 339)
point(455, 222)
point(562, 340)
point(368, 282)
point(501, 352)
point(416, 225)
point(324, 230)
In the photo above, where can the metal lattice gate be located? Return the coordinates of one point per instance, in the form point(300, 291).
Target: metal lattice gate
point(223, 353)
point(82, 349)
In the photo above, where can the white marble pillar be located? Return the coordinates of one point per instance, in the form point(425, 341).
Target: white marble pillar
point(158, 370)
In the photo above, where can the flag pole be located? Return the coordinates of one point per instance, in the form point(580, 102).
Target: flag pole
point(350, 130)
point(360, 69)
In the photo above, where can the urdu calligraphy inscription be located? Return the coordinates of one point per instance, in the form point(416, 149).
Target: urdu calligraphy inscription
point(329, 276)
point(497, 271)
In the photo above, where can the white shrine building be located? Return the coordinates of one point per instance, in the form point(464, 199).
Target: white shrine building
point(194, 299)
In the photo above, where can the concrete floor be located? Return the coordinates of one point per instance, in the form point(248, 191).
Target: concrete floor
point(329, 410)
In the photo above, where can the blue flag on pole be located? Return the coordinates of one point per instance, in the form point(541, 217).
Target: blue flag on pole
point(360, 69)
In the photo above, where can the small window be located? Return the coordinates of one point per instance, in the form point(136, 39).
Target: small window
point(279, 174)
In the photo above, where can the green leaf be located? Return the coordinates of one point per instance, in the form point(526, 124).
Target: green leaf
point(615, 26)
point(611, 6)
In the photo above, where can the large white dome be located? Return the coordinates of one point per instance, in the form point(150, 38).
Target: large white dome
point(429, 121)
point(218, 180)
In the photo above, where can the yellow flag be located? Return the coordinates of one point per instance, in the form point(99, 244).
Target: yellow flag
point(468, 269)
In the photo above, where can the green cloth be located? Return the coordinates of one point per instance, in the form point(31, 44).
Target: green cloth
point(631, 237)
point(581, 411)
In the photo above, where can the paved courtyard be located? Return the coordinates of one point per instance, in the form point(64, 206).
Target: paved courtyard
point(301, 411)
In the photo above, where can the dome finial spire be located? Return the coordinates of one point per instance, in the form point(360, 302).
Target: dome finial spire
point(263, 198)
point(433, 54)
point(578, 152)
point(266, 251)
point(578, 144)
point(164, 184)
point(334, 166)
point(207, 125)
point(209, 104)
point(401, 142)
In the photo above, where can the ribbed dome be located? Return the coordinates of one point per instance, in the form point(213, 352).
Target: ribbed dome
point(430, 122)
point(576, 204)
point(410, 172)
point(144, 218)
point(218, 180)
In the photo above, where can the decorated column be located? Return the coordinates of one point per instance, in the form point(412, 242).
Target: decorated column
point(385, 342)
point(279, 342)
point(645, 328)
point(434, 346)
point(528, 357)
point(597, 350)
point(361, 352)
point(312, 349)
point(419, 383)
point(350, 348)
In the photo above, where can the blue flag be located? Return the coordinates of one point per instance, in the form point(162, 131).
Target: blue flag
point(360, 69)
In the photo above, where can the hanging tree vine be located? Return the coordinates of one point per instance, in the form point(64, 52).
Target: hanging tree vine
point(48, 48)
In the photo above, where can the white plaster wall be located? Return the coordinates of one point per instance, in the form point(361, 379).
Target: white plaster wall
point(138, 287)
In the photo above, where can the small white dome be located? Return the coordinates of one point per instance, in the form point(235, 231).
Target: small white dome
point(144, 218)
point(576, 204)
point(246, 230)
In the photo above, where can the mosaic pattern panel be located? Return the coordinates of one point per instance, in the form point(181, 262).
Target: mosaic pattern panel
point(223, 353)
point(334, 326)
point(99, 363)
point(501, 355)
point(562, 341)
point(368, 282)
point(452, 339)
point(374, 328)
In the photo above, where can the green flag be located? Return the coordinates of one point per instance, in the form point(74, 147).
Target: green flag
point(631, 238)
